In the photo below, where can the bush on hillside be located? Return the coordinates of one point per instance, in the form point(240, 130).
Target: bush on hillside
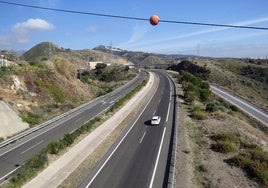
point(194, 88)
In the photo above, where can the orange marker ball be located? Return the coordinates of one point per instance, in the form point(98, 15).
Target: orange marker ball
point(154, 20)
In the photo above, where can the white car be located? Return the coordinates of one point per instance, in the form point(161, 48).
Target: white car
point(155, 120)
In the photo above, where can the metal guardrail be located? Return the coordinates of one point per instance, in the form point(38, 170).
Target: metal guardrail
point(173, 169)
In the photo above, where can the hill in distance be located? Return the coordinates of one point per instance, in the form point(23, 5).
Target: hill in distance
point(46, 50)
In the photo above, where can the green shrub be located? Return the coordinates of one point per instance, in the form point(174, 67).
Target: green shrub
point(225, 142)
point(248, 145)
point(106, 73)
point(234, 108)
point(68, 139)
point(239, 160)
point(44, 58)
point(6, 70)
point(199, 115)
point(224, 147)
point(33, 63)
point(31, 118)
point(230, 137)
point(254, 162)
point(29, 169)
point(56, 92)
point(194, 88)
point(204, 94)
point(212, 107)
point(54, 147)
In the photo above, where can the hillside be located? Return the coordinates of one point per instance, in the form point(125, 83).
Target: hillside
point(247, 78)
point(46, 83)
point(139, 58)
point(244, 78)
point(46, 50)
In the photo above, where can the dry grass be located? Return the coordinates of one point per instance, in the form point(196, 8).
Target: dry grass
point(228, 136)
point(225, 73)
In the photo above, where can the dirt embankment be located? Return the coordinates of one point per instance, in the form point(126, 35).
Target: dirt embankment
point(10, 121)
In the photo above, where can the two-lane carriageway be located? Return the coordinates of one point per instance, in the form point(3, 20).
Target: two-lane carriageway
point(140, 158)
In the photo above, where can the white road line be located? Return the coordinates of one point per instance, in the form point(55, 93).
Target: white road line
point(46, 132)
point(9, 174)
point(168, 112)
point(142, 137)
point(32, 147)
point(106, 161)
point(240, 101)
point(157, 159)
point(29, 139)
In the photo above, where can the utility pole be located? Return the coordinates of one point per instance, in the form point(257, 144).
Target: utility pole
point(112, 55)
point(198, 51)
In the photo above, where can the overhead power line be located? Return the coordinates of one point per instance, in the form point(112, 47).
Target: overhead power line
point(132, 18)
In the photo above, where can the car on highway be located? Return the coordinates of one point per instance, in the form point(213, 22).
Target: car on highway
point(155, 120)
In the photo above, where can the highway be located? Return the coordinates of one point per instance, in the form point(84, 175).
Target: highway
point(243, 105)
point(140, 158)
point(13, 155)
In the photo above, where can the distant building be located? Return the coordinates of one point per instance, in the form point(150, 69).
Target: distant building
point(92, 64)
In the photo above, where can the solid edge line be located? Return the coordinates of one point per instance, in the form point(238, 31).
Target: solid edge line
point(9, 173)
point(121, 139)
point(168, 112)
point(240, 101)
point(157, 159)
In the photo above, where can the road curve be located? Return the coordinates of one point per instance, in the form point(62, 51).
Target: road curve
point(12, 156)
point(245, 106)
point(140, 158)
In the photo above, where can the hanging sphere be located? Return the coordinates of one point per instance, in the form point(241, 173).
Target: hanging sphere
point(154, 20)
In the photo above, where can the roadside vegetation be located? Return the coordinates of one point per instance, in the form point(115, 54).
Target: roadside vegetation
point(39, 162)
point(6, 70)
point(106, 78)
point(204, 107)
point(241, 76)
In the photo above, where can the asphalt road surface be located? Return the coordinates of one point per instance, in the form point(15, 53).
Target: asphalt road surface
point(15, 154)
point(245, 106)
point(140, 158)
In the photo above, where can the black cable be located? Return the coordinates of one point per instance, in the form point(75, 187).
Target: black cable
point(216, 25)
point(132, 18)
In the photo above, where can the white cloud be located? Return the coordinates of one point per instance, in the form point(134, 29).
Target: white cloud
point(32, 25)
point(23, 32)
point(92, 29)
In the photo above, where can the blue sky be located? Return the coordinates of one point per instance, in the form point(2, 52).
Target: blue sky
point(21, 28)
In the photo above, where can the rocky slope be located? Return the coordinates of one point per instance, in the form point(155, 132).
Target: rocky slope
point(44, 81)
